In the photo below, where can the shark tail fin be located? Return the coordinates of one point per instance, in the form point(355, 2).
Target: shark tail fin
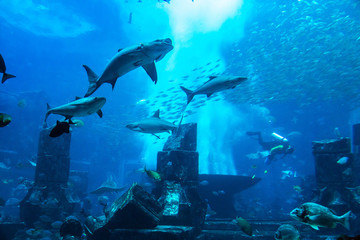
point(92, 78)
point(189, 94)
point(6, 76)
point(345, 220)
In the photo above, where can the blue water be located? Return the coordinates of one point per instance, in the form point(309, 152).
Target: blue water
point(301, 58)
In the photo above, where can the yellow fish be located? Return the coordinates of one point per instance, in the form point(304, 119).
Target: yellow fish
point(153, 174)
point(244, 225)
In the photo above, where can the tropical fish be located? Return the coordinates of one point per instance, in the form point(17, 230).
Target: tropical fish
point(152, 125)
point(287, 232)
point(6, 76)
point(77, 123)
point(244, 225)
point(79, 108)
point(60, 128)
point(316, 215)
point(153, 174)
point(143, 55)
point(5, 119)
point(214, 84)
point(342, 160)
point(298, 188)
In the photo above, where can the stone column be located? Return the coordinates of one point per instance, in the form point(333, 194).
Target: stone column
point(178, 165)
point(49, 197)
point(334, 170)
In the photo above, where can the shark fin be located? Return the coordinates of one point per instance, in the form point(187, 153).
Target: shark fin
point(189, 94)
point(209, 94)
point(77, 98)
point(120, 49)
point(92, 78)
point(156, 114)
point(99, 113)
point(151, 71)
point(47, 106)
point(212, 77)
point(6, 76)
point(113, 84)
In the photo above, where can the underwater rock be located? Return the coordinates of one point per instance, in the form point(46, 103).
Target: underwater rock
point(184, 139)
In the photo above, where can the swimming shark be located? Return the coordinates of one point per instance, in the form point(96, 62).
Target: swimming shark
point(6, 76)
point(127, 59)
point(214, 84)
point(79, 108)
point(152, 125)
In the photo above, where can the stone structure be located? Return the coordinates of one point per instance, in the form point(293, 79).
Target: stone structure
point(178, 165)
point(49, 196)
point(334, 166)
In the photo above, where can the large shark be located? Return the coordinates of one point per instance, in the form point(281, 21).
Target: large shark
point(127, 59)
point(214, 84)
point(79, 108)
point(152, 125)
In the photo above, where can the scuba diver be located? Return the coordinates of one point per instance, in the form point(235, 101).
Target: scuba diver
point(278, 146)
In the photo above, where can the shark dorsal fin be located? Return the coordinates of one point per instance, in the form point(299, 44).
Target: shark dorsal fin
point(120, 49)
point(212, 77)
point(48, 106)
point(77, 98)
point(156, 114)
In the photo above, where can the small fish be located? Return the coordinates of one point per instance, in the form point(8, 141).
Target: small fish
point(287, 232)
point(60, 128)
point(316, 215)
point(244, 225)
point(56, 224)
point(204, 183)
point(342, 160)
point(77, 123)
point(254, 166)
point(22, 103)
point(298, 188)
point(266, 171)
point(5, 119)
point(153, 174)
point(6, 76)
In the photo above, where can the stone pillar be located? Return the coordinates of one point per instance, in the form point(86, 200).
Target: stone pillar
point(178, 165)
point(334, 167)
point(49, 197)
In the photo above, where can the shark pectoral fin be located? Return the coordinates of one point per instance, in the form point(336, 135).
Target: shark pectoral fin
point(209, 94)
point(151, 71)
point(99, 113)
point(77, 98)
point(156, 136)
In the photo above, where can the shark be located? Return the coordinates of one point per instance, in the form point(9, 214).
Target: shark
point(143, 55)
point(79, 108)
point(214, 84)
point(6, 76)
point(152, 125)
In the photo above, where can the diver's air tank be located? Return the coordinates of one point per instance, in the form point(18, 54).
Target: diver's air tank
point(277, 136)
